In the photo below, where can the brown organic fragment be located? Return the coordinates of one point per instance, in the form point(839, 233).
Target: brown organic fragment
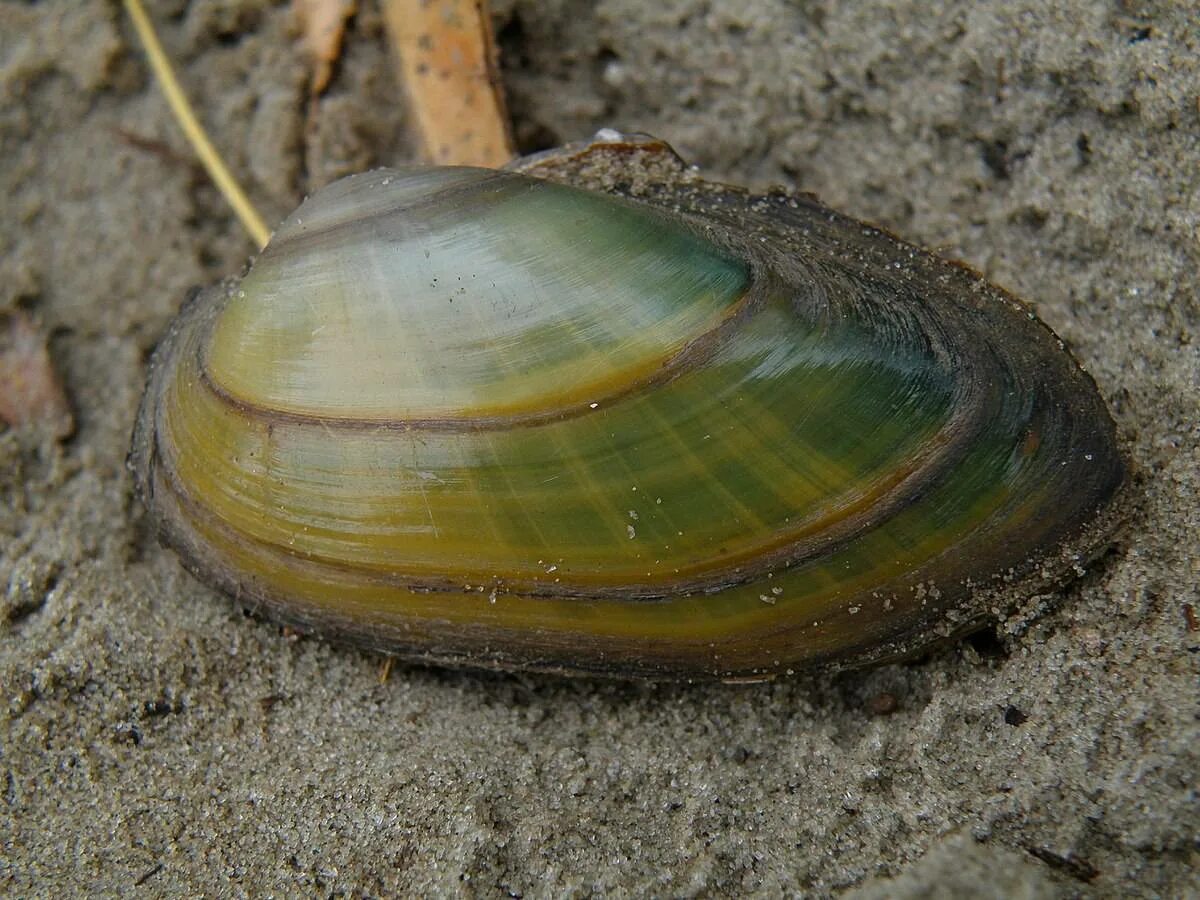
point(323, 23)
point(30, 392)
point(446, 61)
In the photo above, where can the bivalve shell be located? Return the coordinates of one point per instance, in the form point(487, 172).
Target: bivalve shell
point(632, 426)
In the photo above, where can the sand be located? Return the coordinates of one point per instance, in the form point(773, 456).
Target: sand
point(156, 741)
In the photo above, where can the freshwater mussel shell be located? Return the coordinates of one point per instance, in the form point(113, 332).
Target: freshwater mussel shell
point(637, 424)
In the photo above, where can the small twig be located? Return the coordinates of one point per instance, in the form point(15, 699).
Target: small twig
point(447, 63)
point(160, 149)
point(192, 129)
point(323, 24)
point(148, 874)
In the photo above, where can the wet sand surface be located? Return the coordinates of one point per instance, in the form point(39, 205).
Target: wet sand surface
point(155, 739)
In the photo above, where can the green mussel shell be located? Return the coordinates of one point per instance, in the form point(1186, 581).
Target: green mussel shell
point(657, 428)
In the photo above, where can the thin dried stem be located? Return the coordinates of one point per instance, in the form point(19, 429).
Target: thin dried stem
point(194, 132)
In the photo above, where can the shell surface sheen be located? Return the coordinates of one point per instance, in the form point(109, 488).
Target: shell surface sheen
point(476, 417)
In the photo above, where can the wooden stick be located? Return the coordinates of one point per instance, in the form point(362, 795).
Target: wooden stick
point(447, 62)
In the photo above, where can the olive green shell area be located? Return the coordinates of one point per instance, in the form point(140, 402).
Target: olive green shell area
point(481, 418)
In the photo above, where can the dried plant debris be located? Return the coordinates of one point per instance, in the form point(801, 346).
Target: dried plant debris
point(447, 64)
point(31, 396)
point(323, 23)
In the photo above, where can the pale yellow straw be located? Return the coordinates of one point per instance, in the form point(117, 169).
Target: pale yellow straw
point(192, 129)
